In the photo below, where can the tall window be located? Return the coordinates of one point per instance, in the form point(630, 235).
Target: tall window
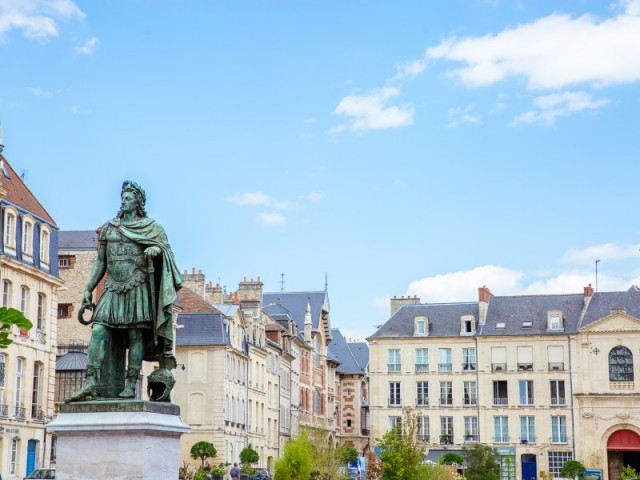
point(554, 321)
point(24, 300)
point(394, 394)
point(3, 407)
point(470, 429)
point(526, 392)
point(470, 393)
point(9, 229)
point(527, 429)
point(558, 429)
point(446, 430)
point(423, 428)
point(446, 393)
point(422, 393)
point(468, 359)
point(444, 360)
point(525, 358)
point(556, 357)
point(501, 429)
point(17, 400)
point(6, 293)
point(557, 392)
point(620, 364)
point(395, 363)
point(44, 245)
point(13, 461)
point(317, 352)
point(395, 422)
point(420, 326)
point(35, 397)
point(500, 393)
point(422, 360)
point(557, 461)
point(498, 359)
point(27, 237)
point(41, 311)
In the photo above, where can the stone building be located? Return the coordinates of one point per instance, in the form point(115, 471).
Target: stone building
point(520, 373)
point(30, 283)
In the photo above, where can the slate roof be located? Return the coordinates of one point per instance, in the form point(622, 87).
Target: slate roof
point(191, 302)
point(19, 194)
point(78, 240)
point(296, 305)
point(602, 303)
point(444, 319)
point(71, 361)
point(202, 329)
point(360, 351)
point(514, 310)
point(340, 349)
point(227, 309)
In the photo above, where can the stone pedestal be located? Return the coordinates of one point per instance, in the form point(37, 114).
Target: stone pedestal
point(118, 440)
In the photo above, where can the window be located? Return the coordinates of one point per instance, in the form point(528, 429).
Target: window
point(318, 402)
point(558, 429)
point(17, 399)
point(423, 428)
point(557, 461)
point(500, 395)
point(620, 365)
point(65, 309)
point(27, 237)
point(444, 360)
point(422, 360)
point(556, 357)
point(470, 429)
point(317, 351)
point(395, 363)
point(2, 371)
point(6, 293)
point(446, 393)
point(525, 358)
point(554, 321)
point(420, 326)
point(41, 311)
point(501, 429)
point(13, 461)
point(10, 216)
point(498, 359)
point(446, 430)
point(422, 392)
point(394, 394)
point(527, 429)
point(395, 423)
point(24, 300)
point(35, 397)
point(557, 392)
point(470, 393)
point(468, 359)
point(44, 245)
point(526, 392)
point(64, 261)
point(467, 325)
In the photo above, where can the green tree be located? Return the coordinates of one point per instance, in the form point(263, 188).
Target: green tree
point(297, 461)
point(481, 462)
point(203, 450)
point(400, 450)
point(571, 469)
point(451, 458)
point(9, 317)
point(346, 454)
point(628, 473)
point(248, 456)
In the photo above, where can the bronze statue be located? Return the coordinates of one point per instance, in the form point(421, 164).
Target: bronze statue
point(135, 311)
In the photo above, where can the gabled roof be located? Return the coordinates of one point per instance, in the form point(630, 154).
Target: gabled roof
point(201, 329)
point(227, 309)
point(19, 194)
point(191, 302)
point(444, 319)
point(77, 240)
point(340, 349)
point(295, 304)
point(602, 303)
point(360, 351)
point(515, 310)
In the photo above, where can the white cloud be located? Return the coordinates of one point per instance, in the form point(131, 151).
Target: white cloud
point(550, 107)
point(605, 252)
point(552, 52)
point(272, 219)
point(410, 69)
point(315, 197)
point(255, 199)
point(39, 92)
point(37, 19)
point(370, 112)
point(88, 47)
point(460, 115)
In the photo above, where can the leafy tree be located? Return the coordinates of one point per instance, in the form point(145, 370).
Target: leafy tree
point(481, 462)
point(628, 473)
point(297, 461)
point(451, 458)
point(9, 317)
point(375, 467)
point(203, 450)
point(400, 450)
point(571, 469)
point(346, 454)
point(248, 456)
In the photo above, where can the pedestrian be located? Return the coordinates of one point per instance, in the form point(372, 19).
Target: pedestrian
point(235, 472)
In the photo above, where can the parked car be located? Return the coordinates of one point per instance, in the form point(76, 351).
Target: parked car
point(43, 473)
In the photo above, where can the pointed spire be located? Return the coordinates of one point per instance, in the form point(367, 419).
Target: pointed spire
point(307, 324)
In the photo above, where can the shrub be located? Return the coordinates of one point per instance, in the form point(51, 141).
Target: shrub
point(571, 469)
point(297, 461)
point(203, 450)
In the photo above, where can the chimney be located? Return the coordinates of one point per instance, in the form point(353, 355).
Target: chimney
point(195, 281)
point(214, 295)
point(484, 295)
point(398, 303)
point(307, 324)
point(588, 291)
point(251, 292)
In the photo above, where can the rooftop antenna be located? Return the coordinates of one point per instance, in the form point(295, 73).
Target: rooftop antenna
point(597, 261)
point(282, 282)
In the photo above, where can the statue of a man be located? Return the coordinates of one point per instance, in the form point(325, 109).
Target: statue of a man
point(135, 310)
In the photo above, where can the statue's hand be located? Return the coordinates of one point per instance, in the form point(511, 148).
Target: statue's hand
point(87, 298)
point(152, 251)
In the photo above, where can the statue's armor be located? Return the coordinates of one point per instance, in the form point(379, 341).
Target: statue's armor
point(126, 264)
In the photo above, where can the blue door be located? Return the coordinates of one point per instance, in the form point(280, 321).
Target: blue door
point(32, 447)
point(529, 468)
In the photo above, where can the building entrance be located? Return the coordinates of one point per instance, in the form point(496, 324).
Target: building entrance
point(529, 468)
point(623, 448)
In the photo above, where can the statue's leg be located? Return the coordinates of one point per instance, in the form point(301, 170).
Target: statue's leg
point(134, 363)
point(99, 338)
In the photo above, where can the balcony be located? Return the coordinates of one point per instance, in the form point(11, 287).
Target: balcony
point(470, 402)
point(528, 440)
point(621, 385)
point(422, 402)
point(558, 402)
point(525, 367)
point(423, 438)
point(500, 401)
point(498, 367)
point(446, 439)
point(501, 439)
point(469, 367)
point(4, 410)
point(422, 367)
point(526, 401)
point(37, 415)
point(556, 366)
point(366, 432)
point(19, 412)
point(445, 367)
point(394, 367)
point(471, 438)
point(446, 401)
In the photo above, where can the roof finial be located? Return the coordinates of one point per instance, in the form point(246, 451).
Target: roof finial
point(326, 282)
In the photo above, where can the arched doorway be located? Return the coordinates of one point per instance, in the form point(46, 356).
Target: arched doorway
point(623, 448)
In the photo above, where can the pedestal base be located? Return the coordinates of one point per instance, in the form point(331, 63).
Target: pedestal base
point(118, 440)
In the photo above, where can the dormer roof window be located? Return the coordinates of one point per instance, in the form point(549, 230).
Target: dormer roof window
point(555, 322)
point(420, 326)
point(467, 325)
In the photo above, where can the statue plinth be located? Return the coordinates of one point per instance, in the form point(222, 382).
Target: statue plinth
point(118, 440)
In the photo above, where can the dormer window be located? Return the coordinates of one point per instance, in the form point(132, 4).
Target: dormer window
point(10, 215)
point(44, 246)
point(420, 326)
point(555, 321)
point(467, 325)
point(27, 238)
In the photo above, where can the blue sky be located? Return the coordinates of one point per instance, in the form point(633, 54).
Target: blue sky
point(411, 147)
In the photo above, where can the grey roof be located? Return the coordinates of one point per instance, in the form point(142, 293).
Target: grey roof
point(602, 303)
point(513, 311)
point(227, 309)
point(444, 319)
point(275, 309)
point(77, 240)
point(342, 351)
point(201, 329)
point(71, 361)
point(360, 351)
point(296, 305)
